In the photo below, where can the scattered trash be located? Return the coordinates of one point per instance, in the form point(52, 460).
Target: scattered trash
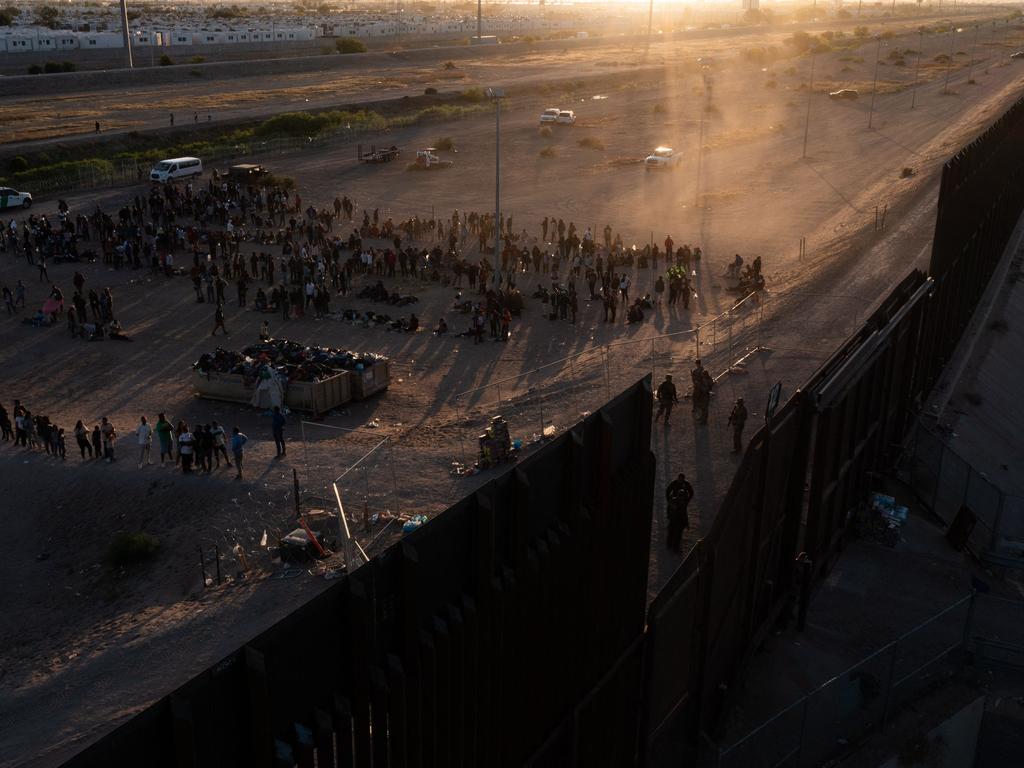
point(373, 424)
point(413, 523)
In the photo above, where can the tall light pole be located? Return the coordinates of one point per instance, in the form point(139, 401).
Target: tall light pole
point(949, 62)
point(125, 33)
point(650, 19)
point(496, 95)
point(700, 140)
point(810, 91)
point(974, 46)
point(874, 85)
point(917, 67)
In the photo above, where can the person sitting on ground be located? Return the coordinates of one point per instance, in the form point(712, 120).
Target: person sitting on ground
point(635, 314)
point(413, 324)
point(117, 332)
point(261, 301)
point(442, 328)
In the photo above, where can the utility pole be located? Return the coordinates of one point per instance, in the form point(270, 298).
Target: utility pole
point(496, 95)
point(974, 46)
point(874, 85)
point(700, 141)
point(479, 20)
point(810, 91)
point(917, 67)
point(949, 62)
point(125, 33)
point(650, 19)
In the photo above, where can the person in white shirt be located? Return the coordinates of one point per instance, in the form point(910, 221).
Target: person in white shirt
point(220, 442)
point(144, 433)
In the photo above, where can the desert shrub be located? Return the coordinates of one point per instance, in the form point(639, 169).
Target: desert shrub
point(548, 152)
point(51, 66)
point(906, 173)
point(131, 549)
point(545, 131)
point(860, 32)
point(770, 84)
point(942, 58)
point(196, 72)
point(430, 91)
point(449, 65)
point(591, 142)
point(17, 164)
point(445, 144)
point(35, 69)
point(473, 95)
point(67, 66)
point(197, 60)
point(659, 109)
point(166, 61)
point(351, 45)
point(293, 124)
point(801, 41)
point(61, 170)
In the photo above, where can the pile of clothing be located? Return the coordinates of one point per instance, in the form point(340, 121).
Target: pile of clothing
point(293, 361)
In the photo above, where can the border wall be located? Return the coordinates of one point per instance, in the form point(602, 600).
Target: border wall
point(511, 629)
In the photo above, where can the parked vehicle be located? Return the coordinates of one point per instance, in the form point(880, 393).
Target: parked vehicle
point(844, 93)
point(549, 116)
point(566, 117)
point(12, 198)
point(663, 158)
point(1017, 55)
point(427, 158)
point(176, 168)
point(246, 172)
point(375, 155)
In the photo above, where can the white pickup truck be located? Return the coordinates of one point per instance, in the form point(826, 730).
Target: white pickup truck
point(662, 159)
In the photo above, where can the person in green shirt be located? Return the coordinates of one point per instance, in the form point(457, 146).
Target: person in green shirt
point(164, 432)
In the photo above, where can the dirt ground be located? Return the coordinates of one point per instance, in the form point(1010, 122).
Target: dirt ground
point(84, 648)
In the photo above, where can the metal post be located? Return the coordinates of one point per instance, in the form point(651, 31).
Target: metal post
point(394, 476)
point(479, 20)
point(216, 554)
point(305, 450)
point(700, 146)
point(650, 19)
point(874, 85)
point(126, 34)
point(803, 728)
point(888, 686)
point(497, 183)
point(949, 63)
point(607, 374)
point(202, 564)
point(969, 623)
point(654, 378)
point(458, 424)
point(974, 46)
point(575, 394)
point(807, 119)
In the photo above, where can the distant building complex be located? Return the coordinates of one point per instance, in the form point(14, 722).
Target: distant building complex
point(200, 32)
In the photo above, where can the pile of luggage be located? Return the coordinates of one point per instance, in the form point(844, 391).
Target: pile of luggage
point(297, 362)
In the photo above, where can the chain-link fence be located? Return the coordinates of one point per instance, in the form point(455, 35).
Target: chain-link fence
point(131, 171)
point(861, 700)
point(946, 482)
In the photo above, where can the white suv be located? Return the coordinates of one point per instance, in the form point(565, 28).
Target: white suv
point(663, 158)
point(12, 198)
point(566, 117)
point(549, 116)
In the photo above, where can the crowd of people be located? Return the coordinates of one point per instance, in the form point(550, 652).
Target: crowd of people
point(199, 448)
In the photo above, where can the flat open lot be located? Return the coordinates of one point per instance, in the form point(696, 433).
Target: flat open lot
point(83, 648)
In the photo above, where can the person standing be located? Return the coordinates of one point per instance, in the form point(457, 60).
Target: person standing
point(667, 396)
point(164, 433)
point(109, 435)
point(186, 448)
point(238, 441)
point(702, 385)
point(219, 443)
point(737, 419)
point(144, 433)
point(97, 442)
point(277, 422)
point(82, 438)
point(218, 321)
point(677, 500)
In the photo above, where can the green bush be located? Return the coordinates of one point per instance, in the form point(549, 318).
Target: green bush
point(131, 549)
point(166, 61)
point(473, 95)
point(67, 66)
point(17, 164)
point(445, 144)
point(548, 152)
point(545, 131)
point(62, 170)
point(197, 60)
point(591, 143)
point(196, 72)
point(35, 69)
point(449, 65)
point(430, 91)
point(51, 66)
point(860, 32)
point(351, 45)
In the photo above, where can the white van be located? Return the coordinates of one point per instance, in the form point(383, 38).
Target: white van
point(178, 168)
